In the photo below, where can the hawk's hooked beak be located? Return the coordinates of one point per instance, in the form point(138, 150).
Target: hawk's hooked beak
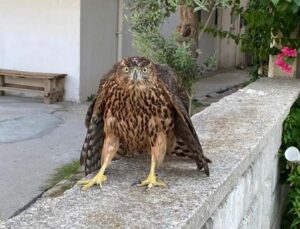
point(135, 74)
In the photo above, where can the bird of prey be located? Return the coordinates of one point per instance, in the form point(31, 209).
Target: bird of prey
point(139, 108)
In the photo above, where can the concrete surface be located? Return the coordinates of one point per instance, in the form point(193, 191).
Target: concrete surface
point(216, 85)
point(30, 132)
point(21, 129)
point(257, 200)
point(233, 132)
point(219, 82)
point(35, 138)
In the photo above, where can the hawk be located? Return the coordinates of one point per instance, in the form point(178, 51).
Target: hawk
point(139, 107)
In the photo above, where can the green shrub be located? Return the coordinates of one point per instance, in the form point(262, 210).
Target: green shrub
point(290, 173)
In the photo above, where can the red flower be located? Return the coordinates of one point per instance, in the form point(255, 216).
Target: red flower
point(289, 52)
point(285, 52)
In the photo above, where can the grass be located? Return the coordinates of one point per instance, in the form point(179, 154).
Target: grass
point(253, 79)
point(62, 173)
point(90, 97)
point(196, 107)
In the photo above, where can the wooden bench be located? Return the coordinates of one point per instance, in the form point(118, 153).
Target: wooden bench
point(48, 85)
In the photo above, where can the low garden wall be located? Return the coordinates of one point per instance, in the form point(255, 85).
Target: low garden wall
point(241, 134)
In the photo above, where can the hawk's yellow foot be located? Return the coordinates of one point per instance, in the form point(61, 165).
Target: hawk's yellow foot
point(96, 180)
point(151, 181)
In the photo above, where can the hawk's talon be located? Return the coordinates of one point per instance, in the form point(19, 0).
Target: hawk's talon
point(151, 182)
point(96, 180)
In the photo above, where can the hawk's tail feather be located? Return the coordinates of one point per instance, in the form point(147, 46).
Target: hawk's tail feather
point(182, 150)
point(89, 114)
point(91, 150)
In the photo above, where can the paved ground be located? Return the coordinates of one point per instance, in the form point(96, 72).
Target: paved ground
point(219, 82)
point(36, 138)
point(214, 87)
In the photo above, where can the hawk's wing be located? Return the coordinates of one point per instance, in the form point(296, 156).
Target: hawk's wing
point(184, 128)
point(90, 155)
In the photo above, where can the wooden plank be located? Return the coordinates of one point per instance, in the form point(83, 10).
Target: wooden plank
point(25, 81)
point(13, 89)
point(31, 75)
point(48, 85)
point(24, 87)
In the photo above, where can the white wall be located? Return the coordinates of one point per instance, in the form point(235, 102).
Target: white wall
point(98, 45)
point(127, 46)
point(42, 36)
point(207, 43)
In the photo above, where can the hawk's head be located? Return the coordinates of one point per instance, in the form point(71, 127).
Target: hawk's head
point(135, 69)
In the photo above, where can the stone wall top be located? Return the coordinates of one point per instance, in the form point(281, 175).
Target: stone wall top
point(232, 131)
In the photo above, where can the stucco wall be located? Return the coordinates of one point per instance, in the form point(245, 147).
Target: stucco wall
point(207, 43)
point(42, 36)
point(127, 46)
point(98, 42)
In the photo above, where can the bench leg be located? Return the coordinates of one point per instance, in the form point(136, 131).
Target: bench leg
point(48, 91)
point(2, 84)
point(60, 85)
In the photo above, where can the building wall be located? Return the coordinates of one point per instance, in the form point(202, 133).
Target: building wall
point(98, 42)
point(230, 54)
point(42, 36)
point(261, 197)
point(76, 37)
point(127, 46)
point(208, 44)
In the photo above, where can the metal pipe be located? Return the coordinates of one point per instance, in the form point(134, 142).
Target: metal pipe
point(120, 30)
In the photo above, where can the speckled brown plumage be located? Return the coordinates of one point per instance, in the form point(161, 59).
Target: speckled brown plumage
point(140, 104)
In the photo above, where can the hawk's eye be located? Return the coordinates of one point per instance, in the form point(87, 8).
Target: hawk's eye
point(126, 69)
point(145, 70)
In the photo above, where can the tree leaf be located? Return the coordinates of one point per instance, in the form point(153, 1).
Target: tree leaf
point(275, 2)
point(298, 169)
point(297, 2)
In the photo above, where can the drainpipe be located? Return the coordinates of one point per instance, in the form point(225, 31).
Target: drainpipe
point(120, 29)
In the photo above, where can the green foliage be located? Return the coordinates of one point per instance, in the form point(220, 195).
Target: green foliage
point(290, 173)
point(148, 15)
point(90, 97)
point(197, 106)
point(62, 173)
point(145, 19)
point(257, 37)
point(291, 127)
point(263, 18)
point(216, 32)
point(212, 4)
point(285, 15)
point(211, 61)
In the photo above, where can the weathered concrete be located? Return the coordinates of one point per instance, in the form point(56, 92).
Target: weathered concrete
point(216, 85)
point(235, 133)
point(219, 82)
point(35, 138)
point(30, 126)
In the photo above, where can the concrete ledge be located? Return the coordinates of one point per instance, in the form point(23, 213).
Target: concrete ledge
point(236, 134)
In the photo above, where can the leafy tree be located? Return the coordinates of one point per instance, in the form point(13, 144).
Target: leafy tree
point(179, 50)
point(145, 19)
